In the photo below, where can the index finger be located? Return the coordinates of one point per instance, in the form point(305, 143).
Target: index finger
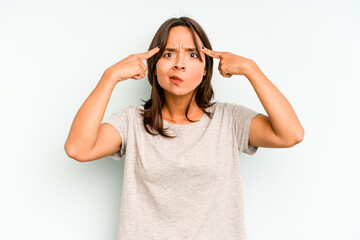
point(146, 55)
point(212, 53)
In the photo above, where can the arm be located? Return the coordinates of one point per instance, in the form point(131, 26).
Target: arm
point(88, 140)
point(86, 124)
point(281, 128)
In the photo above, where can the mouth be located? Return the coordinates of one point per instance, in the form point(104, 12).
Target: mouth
point(175, 79)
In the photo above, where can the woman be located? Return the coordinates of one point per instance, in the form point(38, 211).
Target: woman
point(182, 174)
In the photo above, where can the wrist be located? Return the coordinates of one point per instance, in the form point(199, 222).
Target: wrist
point(108, 79)
point(251, 68)
point(111, 77)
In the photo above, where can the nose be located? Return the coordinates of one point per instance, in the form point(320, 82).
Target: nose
point(179, 63)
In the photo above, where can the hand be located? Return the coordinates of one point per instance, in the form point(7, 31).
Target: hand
point(230, 63)
point(131, 67)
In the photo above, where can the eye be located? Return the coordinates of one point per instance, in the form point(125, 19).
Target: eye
point(166, 54)
point(195, 54)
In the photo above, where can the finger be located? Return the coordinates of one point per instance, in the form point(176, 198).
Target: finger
point(226, 75)
point(139, 76)
point(146, 55)
point(142, 65)
point(222, 72)
point(212, 53)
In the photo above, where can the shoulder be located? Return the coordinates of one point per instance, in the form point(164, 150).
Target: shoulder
point(230, 107)
point(134, 110)
point(220, 105)
point(127, 111)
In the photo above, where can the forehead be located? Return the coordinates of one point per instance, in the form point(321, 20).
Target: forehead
point(181, 36)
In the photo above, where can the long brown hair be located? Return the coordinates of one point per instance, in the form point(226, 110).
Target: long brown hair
point(152, 116)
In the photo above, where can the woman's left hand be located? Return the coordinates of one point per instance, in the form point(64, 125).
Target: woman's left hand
point(230, 64)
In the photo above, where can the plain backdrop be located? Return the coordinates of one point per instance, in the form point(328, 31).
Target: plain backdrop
point(53, 53)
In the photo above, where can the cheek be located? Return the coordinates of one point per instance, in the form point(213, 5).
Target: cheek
point(197, 69)
point(162, 67)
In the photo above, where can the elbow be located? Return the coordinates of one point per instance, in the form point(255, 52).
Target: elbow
point(298, 138)
point(300, 135)
point(70, 151)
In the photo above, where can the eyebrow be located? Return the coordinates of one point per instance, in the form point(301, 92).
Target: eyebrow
point(174, 49)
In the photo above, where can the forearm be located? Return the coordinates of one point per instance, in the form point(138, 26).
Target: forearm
point(282, 116)
point(84, 129)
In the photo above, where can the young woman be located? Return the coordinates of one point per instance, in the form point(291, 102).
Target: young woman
point(182, 174)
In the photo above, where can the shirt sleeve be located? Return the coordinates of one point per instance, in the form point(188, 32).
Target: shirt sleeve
point(120, 122)
point(242, 123)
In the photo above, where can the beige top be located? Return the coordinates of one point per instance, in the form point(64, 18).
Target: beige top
point(188, 187)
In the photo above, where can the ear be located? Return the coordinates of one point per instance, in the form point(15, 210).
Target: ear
point(204, 72)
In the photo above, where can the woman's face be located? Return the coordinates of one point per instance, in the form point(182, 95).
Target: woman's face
point(180, 58)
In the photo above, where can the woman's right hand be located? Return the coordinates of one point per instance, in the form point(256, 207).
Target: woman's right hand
point(131, 67)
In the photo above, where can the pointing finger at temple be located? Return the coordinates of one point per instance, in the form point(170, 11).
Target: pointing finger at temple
point(146, 55)
point(212, 53)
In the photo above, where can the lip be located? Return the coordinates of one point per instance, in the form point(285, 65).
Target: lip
point(175, 79)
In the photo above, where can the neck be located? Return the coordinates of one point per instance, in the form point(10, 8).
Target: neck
point(175, 107)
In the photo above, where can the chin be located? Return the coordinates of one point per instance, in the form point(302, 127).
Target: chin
point(179, 92)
